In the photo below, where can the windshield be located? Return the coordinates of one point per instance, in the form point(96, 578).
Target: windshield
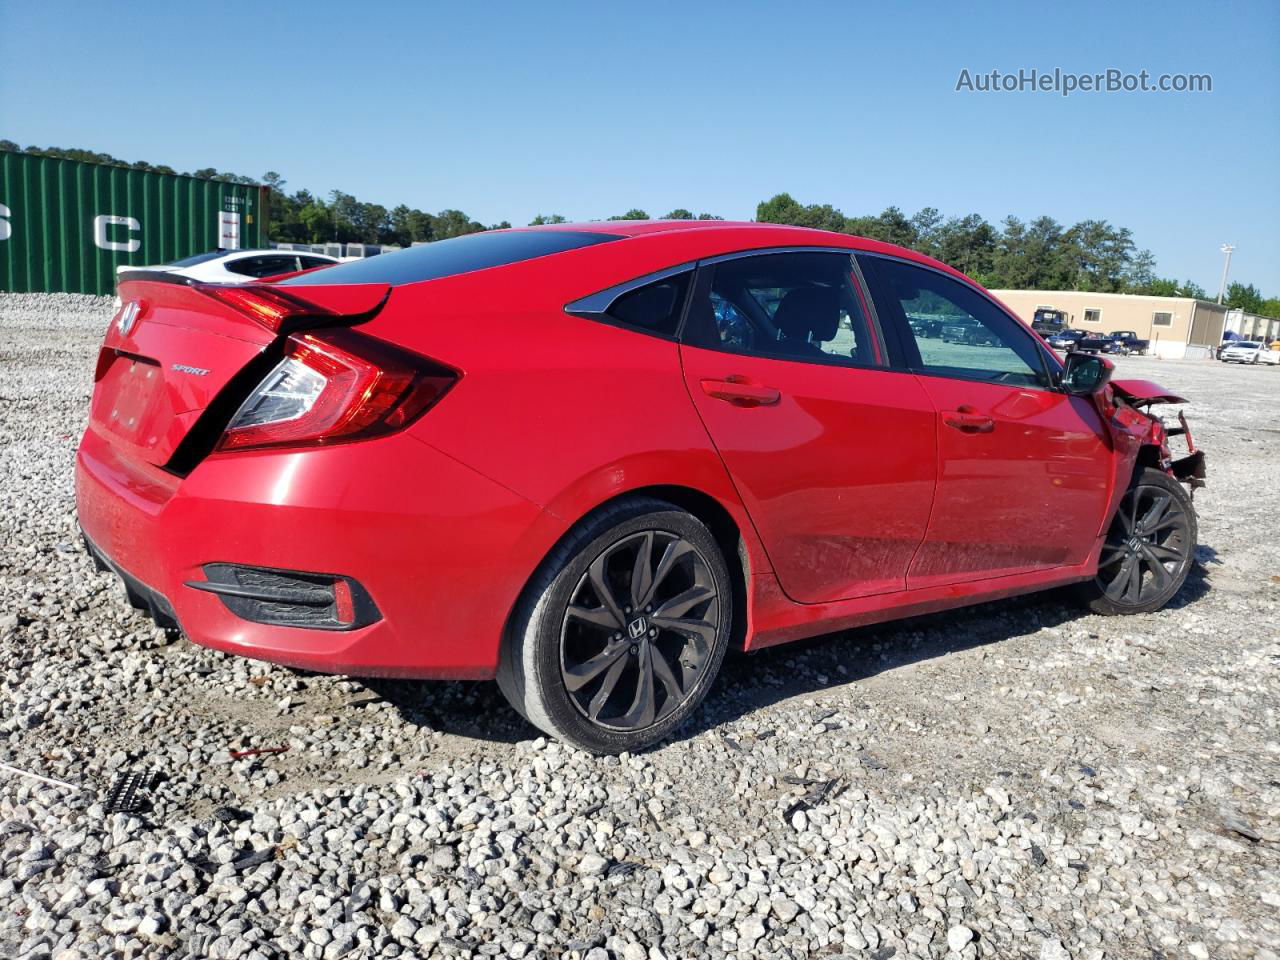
point(1247, 345)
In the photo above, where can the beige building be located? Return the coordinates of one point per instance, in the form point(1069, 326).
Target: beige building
point(1178, 327)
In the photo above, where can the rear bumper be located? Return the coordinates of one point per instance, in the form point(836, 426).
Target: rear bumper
point(140, 596)
point(442, 550)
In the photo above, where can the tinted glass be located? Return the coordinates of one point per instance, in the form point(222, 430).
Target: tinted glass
point(310, 262)
point(656, 307)
point(446, 258)
point(265, 266)
point(245, 266)
point(954, 331)
point(799, 306)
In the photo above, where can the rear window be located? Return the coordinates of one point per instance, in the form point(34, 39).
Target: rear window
point(264, 266)
point(446, 258)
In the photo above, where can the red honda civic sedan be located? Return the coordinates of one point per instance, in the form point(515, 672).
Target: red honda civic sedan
point(587, 459)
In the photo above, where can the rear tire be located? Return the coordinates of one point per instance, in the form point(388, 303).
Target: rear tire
point(1149, 548)
point(621, 631)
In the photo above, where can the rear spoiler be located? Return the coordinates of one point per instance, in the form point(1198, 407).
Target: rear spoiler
point(279, 309)
point(168, 276)
point(153, 276)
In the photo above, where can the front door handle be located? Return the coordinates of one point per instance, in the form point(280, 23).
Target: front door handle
point(740, 392)
point(967, 420)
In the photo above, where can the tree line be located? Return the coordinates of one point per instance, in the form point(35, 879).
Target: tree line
point(1043, 254)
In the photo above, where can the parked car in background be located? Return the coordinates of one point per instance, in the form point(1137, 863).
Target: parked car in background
point(1130, 342)
point(237, 266)
point(966, 330)
point(925, 326)
point(1118, 341)
point(1229, 338)
point(368, 470)
point(1066, 339)
point(1047, 322)
point(1249, 351)
point(1096, 343)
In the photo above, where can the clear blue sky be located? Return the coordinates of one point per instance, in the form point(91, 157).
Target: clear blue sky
point(588, 109)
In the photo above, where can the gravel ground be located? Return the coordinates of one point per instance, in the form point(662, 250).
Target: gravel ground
point(1014, 780)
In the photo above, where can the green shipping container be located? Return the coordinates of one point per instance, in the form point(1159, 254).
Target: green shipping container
point(66, 225)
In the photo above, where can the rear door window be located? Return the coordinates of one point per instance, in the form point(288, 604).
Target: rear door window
point(797, 306)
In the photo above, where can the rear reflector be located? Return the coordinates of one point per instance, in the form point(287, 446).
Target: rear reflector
point(336, 387)
point(343, 604)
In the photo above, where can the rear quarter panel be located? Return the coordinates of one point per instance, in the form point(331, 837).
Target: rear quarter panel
point(568, 413)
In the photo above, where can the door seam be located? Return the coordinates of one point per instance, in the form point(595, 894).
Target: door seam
point(937, 481)
point(684, 378)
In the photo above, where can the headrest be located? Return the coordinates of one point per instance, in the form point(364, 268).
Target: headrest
point(809, 312)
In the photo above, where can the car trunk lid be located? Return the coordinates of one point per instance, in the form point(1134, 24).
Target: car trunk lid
point(176, 351)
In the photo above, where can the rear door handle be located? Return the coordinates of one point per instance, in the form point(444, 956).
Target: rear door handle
point(968, 420)
point(740, 392)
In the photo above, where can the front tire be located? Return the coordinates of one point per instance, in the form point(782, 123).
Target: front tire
point(621, 631)
point(1149, 548)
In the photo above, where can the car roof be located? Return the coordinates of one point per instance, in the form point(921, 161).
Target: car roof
point(605, 253)
point(634, 228)
point(781, 234)
point(637, 228)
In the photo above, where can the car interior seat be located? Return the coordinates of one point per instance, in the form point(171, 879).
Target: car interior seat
point(807, 317)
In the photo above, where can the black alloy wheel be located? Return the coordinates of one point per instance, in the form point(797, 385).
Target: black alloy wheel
point(1149, 548)
point(639, 630)
point(620, 632)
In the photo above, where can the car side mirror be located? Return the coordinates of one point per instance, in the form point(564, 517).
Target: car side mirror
point(1084, 374)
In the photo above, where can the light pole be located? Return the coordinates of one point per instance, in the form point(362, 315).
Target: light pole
point(1222, 287)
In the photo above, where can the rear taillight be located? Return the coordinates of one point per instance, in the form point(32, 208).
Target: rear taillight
point(335, 387)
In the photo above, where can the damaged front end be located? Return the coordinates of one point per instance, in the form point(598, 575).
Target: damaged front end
point(1139, 396)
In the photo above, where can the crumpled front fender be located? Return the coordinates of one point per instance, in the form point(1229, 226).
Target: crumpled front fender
point(1124, 405)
